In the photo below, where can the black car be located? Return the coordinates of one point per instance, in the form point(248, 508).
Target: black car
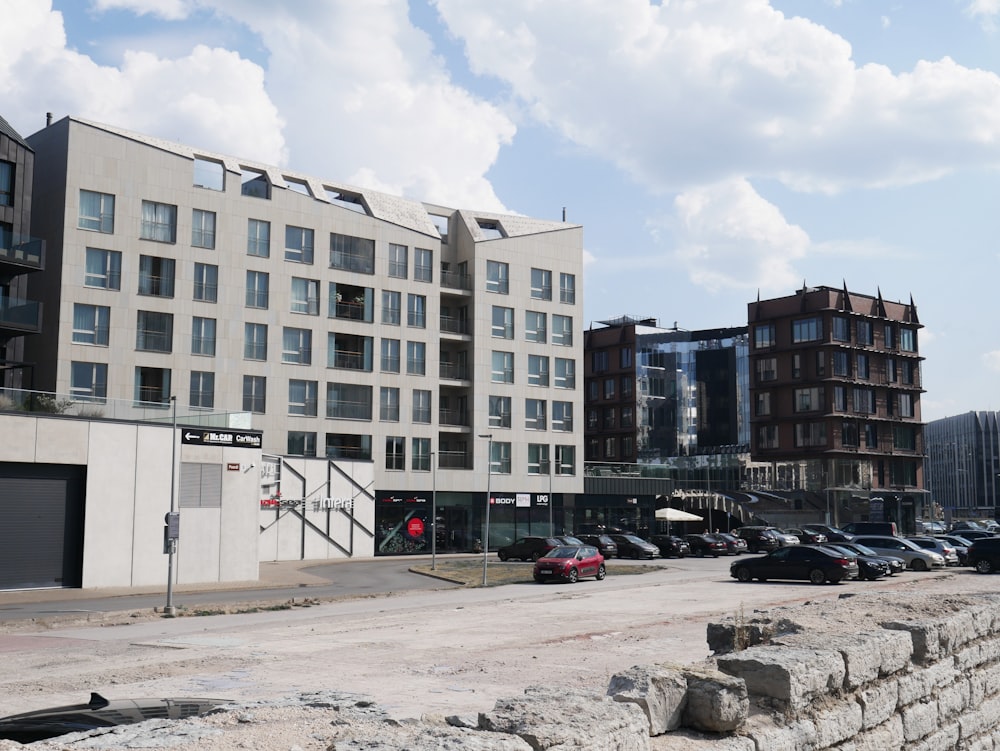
point(706, 544)
point(808, 535)
point(758, 538)
point(570, 540)
point(631, 546)
point(528, 548)
point(671, 545)
point(974, 534)
point(734, 545)
point(604, 543)
point(984, 555)
point(814, 564)
point(833, 534)
point(870, 567)
point(895, 564)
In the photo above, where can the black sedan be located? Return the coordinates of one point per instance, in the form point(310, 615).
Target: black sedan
point(814, 564)
point(706, 544)
point(870, 567)
point(671, 545)
point(631, 546)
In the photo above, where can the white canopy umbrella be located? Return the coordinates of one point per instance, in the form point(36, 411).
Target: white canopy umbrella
point(676, 515)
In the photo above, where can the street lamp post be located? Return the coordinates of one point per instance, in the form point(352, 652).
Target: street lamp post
point(486, 531)
point(434, 517)
point(168, 609)
point(552, 530)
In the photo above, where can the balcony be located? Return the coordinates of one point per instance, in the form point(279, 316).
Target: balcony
point(27, 253)
point(454, 417)
point(453, 371)
point(19, 316)
point(452, 325)
point(456, 280)
point(454, 460)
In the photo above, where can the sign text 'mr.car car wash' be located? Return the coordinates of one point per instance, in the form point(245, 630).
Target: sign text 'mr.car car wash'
point(247, 439)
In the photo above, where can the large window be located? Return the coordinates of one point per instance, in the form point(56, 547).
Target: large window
point(97, 212)
point(296, 346)
point(534, 414)
point(154, 331)
point(423, 268)
point(397, 260)
point(767, 437)
point(863, 367)
point(152, 385)
point(866, 336)
point(258, 238)
point(255, 341)
point(562, 330)
point(503, 322)
point(807, 330)
point(767, 369)
point(349, 352)
point(841, 329)
point(864, 400)
point(535, 326)
point(762, 407)
point(565, 373)
point(391, 307)
point(763, 336)
point(395, 452)
point(301, 443)
point(388, 404)
point(305, 296)
point(257, 289)
point(206, 282)
point(104, 269)
point(538, 370)
point(254, 183)
point(499, 411)
point(201, 394)
point(349, 401)
point(156, 276)
point(497, 277)
point(348, 446)
point(841, 364)
point(904, 437)
point(89, 381)
point(209, 174)
point(500, 458)
point(420, 454)
point(6, 183)
point(302, 397)
point(203, 229)
point(390, 356)
point(541, 284)
point(351, 302)
point(421, 406)
point(810, 434)
point(562, 416)
point(416, 358)
point(91, 324)
point(203, 336)
point(254, 394)
point(907, 340)
point(159, 222)
point(298, 244)
point(567, 288)
point(352, 253)
point(905, 405)
point(503, 367)
point(416, 311)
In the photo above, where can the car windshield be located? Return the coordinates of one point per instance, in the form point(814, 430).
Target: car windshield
point(565, 551)
point(862, 549)
point(633, 538)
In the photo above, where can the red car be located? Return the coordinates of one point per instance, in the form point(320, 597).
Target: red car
point(569, 562)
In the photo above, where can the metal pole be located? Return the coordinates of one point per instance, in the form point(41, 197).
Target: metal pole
point(172, 544)
point(552, 530)
point(486, 533)
point(434, 517)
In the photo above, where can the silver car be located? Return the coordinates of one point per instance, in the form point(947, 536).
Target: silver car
point(944, 549)
point(915, 556)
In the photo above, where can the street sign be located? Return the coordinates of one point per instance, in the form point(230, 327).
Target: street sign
point(246, 439)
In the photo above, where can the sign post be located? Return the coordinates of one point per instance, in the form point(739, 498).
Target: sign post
point(486, 533)
point(172, 531)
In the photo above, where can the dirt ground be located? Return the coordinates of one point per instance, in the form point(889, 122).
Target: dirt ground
point(430, 653)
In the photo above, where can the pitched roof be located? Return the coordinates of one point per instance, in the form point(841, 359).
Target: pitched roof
point(7, 130)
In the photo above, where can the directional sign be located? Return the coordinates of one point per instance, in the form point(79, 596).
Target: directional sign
point(245, 439)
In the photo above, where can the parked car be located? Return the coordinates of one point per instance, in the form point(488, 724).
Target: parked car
point(833, 534)
point(706, 544)
point(938, 546)
point(786, 538)
point(570, 540)
point(870, 567)
point(973, 534)
point(932, 528)
point(896, 564)
point(758, 538)
point(632, 546)
point(961, 545)
point(604, 543)
point(968, 525)
point(916, 557)
point(812, 563)
point(671, 545)
point(871, 528)
point(984, 555)
point(528, 548)
point(807, 536)
point(734, 545)
point(570, 562)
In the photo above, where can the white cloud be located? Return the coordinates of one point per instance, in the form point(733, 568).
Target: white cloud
point(985, 11)
point(171, 10)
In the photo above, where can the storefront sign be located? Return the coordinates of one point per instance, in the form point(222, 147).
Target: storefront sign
point(415, 526)
point(318, 504)
point(402, 499)
point(245, 439)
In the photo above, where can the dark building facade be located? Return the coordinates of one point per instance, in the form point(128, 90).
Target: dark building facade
point(963, 464)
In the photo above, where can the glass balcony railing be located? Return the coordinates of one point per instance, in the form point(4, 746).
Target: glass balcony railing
point(20, 315)
point(22, 250)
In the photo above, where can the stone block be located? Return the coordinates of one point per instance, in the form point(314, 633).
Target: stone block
point(878, 703)
point(716, 702)
point(922, 683)
point(919, 719)
point(924, 635)
point(885, 737)
point(978, 653)
point(795, 736)
point(981, 720)
point(983, 683)
point(838, 723)
point(944, 737)
point(953, 700)
point(792, 676)
point(867, 656)
point(660, 692)
point(690, 740)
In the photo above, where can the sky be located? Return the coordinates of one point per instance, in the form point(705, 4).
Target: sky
point(713, 150)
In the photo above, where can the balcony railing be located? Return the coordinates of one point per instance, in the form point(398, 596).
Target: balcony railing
point(456, 280)
point(452, 325)
point(20, 315)
point(454, 460)
point(452, 417)
point(453, 371)
point(23, 250)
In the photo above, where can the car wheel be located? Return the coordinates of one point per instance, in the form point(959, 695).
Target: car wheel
point(573, 576)
point(536, 555)
point(601, 572)
point(502, 555)
point(816, 576)
point(919, 564)
point(984, 566)
point(743, 574)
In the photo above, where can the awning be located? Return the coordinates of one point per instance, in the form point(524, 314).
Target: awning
point(676, 515)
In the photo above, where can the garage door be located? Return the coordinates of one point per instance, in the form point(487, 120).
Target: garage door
point(41, 526)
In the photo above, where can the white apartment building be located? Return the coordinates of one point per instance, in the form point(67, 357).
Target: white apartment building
point(421, 343)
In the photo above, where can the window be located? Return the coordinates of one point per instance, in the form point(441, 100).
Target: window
point(889, 334)
point(902, 472)
point(807, 330)
point(890, 370)
point(625, 357)
point(6, 183)
point(421, 406)
point(538, 370)
point(864, 401)
point(820, 364)
point(104, 269)
point(565, 374)
point(206, 282)
point(908, 340)
point(390, 356)
point(420, 453)
point(497, 277)
point(391, 307)
point(541, 284)
point(535, 326)
point(302, 397)
point(346, 200)
point(89, 381)
point(503, 367)
point(257, 289)
point(201, 394)
point(305, 296)
point(562, 330)
point(156, 276)
point(351, 302)
point(209, 174)
point(298, 186)
point(499, 458)
point(348, 401)
point(767, 437)
point(534, 414)
point(416, 311)
point(441, 223)
point(258, 238)
point(159, 222)
point(627, 417)
point(352, 253)
point(152, 385)
point(841, 329)
point(388, 404)
point(626, 385)
point(397, 260)
point(395, 452)
point(908, 371)
point(598, 361)
point(841, 364)
point(91, 324)
point(840, 398)
point(423, 265)
point(592, 421)
point(301, 443)
point(254, 394)
point(866, 336)
point(609, 388)
point(503, 322)
point(609, 418)
point(562, 416)
point(345, 446)
point(203, 336)
point(203, 229)
point(538, 459)
point(862, 366)
point(593, 390)
point(904, 437)
point(255, 184)
point(97, 212)
point(567, 288)
point(610, 447)
point(296, 346)
point(762, 407)
point(416, 358)
point(905, 405)
point(491, 230)
point(849, 434)
point(810, 434)
point(871, 436)
point(298, 244)
point(255, 341)
point(763, 336)
point(565, 460)
point(499, 411)
point(796, 365)
point(154, 331)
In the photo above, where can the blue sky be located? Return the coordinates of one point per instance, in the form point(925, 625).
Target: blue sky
point(712, 150)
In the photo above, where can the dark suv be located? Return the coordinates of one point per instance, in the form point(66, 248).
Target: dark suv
point(984, 555)
point(758, 538)
point(607, 546)
point(528, 548)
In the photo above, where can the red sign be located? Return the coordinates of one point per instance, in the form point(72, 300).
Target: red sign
point(415, 527)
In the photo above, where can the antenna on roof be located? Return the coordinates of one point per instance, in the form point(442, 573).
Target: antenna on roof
point(564, 213)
